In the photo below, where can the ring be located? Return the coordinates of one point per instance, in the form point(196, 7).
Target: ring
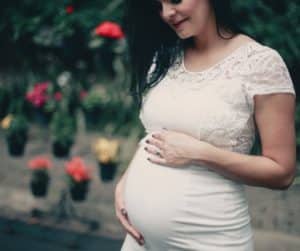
point(123, 211)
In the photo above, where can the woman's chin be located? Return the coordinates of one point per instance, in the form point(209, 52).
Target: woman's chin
point(184, 35)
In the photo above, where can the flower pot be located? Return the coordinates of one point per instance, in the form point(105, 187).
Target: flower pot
point(78, 190)
point(39, 189)
point(92, 118)
point(107, 171)
point(60, 150)
point(39, 184)
point(16, 149)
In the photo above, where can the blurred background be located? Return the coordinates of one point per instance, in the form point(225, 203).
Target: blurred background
point(69, 127)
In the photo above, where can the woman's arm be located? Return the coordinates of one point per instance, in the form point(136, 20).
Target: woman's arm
point(275, 119)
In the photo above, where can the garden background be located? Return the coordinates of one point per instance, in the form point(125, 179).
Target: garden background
point(64, 98)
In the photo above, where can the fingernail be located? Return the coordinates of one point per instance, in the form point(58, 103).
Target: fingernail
point(141, 241)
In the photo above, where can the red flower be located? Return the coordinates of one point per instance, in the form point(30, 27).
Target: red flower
point(109, 29)
point(69, 9)
point(77, 170)
point(38, 95)
point(58, 96)
point(39, 162)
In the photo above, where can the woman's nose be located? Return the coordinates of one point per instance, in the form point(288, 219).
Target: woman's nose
point(167, 11)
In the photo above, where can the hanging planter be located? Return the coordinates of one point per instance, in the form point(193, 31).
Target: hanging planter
point(79, 178)
point(40, 178)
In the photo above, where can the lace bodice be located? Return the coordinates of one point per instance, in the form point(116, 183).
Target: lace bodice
point(216, 105)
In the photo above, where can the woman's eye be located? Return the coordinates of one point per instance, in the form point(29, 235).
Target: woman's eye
point(175, 1)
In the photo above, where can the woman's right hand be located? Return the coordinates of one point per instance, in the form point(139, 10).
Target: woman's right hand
point(122, 215)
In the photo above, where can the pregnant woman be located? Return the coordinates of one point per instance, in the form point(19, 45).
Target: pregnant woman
point(204, 89)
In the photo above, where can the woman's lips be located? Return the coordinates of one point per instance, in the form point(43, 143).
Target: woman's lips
point(179, 24)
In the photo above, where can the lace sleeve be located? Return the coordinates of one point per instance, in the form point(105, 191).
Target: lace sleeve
point(267, 74)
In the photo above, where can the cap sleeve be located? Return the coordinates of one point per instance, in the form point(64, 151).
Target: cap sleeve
point(267, 74)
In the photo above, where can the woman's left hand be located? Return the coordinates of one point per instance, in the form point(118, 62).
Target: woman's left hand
point(172, 148)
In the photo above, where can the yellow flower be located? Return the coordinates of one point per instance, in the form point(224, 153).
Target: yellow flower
point(106, 150)
point(5, 123)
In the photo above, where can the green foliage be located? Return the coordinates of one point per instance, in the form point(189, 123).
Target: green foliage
point(63, 128)
point(93, 101)
point(275, 23)
point(17, 131)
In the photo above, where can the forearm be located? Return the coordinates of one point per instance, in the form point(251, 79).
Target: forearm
point(251, 170)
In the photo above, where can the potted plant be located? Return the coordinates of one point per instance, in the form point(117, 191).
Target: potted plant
point(92, 107)
point(107, 39)
point(40, 177)
point(39, 97)
point(106, 151)
point(16, 133)
point(63, 129)
point(78, 178)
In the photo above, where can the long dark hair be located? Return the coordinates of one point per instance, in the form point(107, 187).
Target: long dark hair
point(151, 40)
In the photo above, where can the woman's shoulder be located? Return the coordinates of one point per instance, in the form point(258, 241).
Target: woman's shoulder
point(260, 53)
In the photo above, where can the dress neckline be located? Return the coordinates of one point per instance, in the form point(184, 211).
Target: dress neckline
point(231, 54)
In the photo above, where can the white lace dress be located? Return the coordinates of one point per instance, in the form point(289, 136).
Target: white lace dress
point(196, 208)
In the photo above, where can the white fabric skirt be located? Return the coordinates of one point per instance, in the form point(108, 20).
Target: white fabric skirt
point(188, 208)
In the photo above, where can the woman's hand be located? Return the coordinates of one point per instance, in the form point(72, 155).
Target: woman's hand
point(122, 215)
point(172, 148)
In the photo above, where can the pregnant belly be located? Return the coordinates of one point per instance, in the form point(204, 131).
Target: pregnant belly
point(172, 205)
point(154, 195)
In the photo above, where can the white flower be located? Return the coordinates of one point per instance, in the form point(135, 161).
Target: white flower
point(63, 78)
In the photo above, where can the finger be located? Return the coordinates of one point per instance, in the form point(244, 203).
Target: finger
point(127, 225)
point(154, 150)
point(155, 142)
point(157, 160)
point(158, 135)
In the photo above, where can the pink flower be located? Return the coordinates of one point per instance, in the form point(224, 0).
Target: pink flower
point(38, 95)
point(109, 29)
point(39, 162)
point(58, 96)
point(77, 169)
